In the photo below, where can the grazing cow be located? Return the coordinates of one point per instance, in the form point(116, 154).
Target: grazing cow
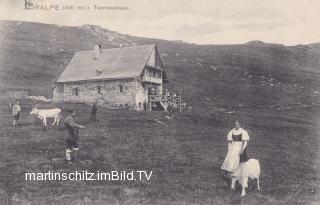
point(44, 114)
point(246, 170)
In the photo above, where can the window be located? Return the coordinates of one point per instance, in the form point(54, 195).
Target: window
point(60, 88)
point(76, 91)
point(99, 89)
point(152, 91)
point(121, 88)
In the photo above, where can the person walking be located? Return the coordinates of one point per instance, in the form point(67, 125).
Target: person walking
point(94, 112)
point(237, 148)
point(73, 138)
point(16, 112)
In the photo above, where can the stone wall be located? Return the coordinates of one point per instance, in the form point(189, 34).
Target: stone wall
point(110, 92)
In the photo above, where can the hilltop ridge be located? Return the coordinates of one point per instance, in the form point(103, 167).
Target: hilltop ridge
point(250, 74)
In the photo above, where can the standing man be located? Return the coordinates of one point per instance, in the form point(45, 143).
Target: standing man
point(73, 138)
point(94, 111)
point(144, 106)
point(16, 111)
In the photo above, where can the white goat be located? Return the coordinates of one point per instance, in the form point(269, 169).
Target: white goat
point(44, 114)
point(247, 170)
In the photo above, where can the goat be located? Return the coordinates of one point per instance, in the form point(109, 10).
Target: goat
point(246, 170)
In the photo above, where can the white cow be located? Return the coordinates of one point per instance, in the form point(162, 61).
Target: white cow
point(246, 170)
point(43, 114)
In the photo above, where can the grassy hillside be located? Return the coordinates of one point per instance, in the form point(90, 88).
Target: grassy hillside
point(185, 155)
point(273, 89)
point(33, 55)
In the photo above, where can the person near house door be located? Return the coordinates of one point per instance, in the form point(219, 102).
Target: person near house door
point(94, 112)
point(144, 106)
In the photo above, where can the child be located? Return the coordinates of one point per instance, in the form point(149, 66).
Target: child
point(16, 111)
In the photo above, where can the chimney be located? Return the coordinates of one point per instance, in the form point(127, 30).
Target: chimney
point(97, 51)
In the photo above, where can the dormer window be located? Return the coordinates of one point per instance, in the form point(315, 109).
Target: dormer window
point(99, 71)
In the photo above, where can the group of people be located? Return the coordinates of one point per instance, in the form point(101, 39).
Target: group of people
point(237, 144)
point(173, 108)
point(16, 112)
point(237, 138)
point(72, 127)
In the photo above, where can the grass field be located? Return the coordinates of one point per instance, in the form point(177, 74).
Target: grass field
point(272, 89)
point(184, 153)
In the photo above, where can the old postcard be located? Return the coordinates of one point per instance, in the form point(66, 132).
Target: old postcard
point(159, 102)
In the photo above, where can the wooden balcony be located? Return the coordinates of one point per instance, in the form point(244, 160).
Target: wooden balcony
point(151, 79)
point(172, 97)
point(157, 98)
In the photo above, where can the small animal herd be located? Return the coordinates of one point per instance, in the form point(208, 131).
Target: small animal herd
point(247, 170)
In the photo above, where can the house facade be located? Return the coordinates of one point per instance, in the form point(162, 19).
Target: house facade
point(124, 76)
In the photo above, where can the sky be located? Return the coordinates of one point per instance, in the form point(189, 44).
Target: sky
point(288, 22)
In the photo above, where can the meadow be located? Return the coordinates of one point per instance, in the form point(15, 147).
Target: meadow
point(184, 153)
point(272, 89)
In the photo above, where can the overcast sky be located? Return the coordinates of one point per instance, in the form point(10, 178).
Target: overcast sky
point(288, 22)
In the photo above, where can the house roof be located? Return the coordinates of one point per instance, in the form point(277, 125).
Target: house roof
point(115, 63)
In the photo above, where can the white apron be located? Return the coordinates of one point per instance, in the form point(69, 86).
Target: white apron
point(232, 160)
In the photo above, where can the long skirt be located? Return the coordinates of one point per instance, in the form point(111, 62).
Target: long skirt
point(232, 160)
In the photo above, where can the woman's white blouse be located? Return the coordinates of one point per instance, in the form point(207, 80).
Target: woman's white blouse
point(245, 135)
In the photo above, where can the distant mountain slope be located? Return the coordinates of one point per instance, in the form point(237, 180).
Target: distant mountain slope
point(32, 55)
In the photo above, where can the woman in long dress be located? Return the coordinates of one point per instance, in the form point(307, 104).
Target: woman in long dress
point(237, 143)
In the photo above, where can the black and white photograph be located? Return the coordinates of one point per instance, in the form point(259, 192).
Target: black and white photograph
point(168, 102)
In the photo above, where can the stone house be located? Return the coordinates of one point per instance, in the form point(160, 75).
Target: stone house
point(124, 76)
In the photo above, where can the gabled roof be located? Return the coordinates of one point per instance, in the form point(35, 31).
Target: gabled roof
point(115, 63)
